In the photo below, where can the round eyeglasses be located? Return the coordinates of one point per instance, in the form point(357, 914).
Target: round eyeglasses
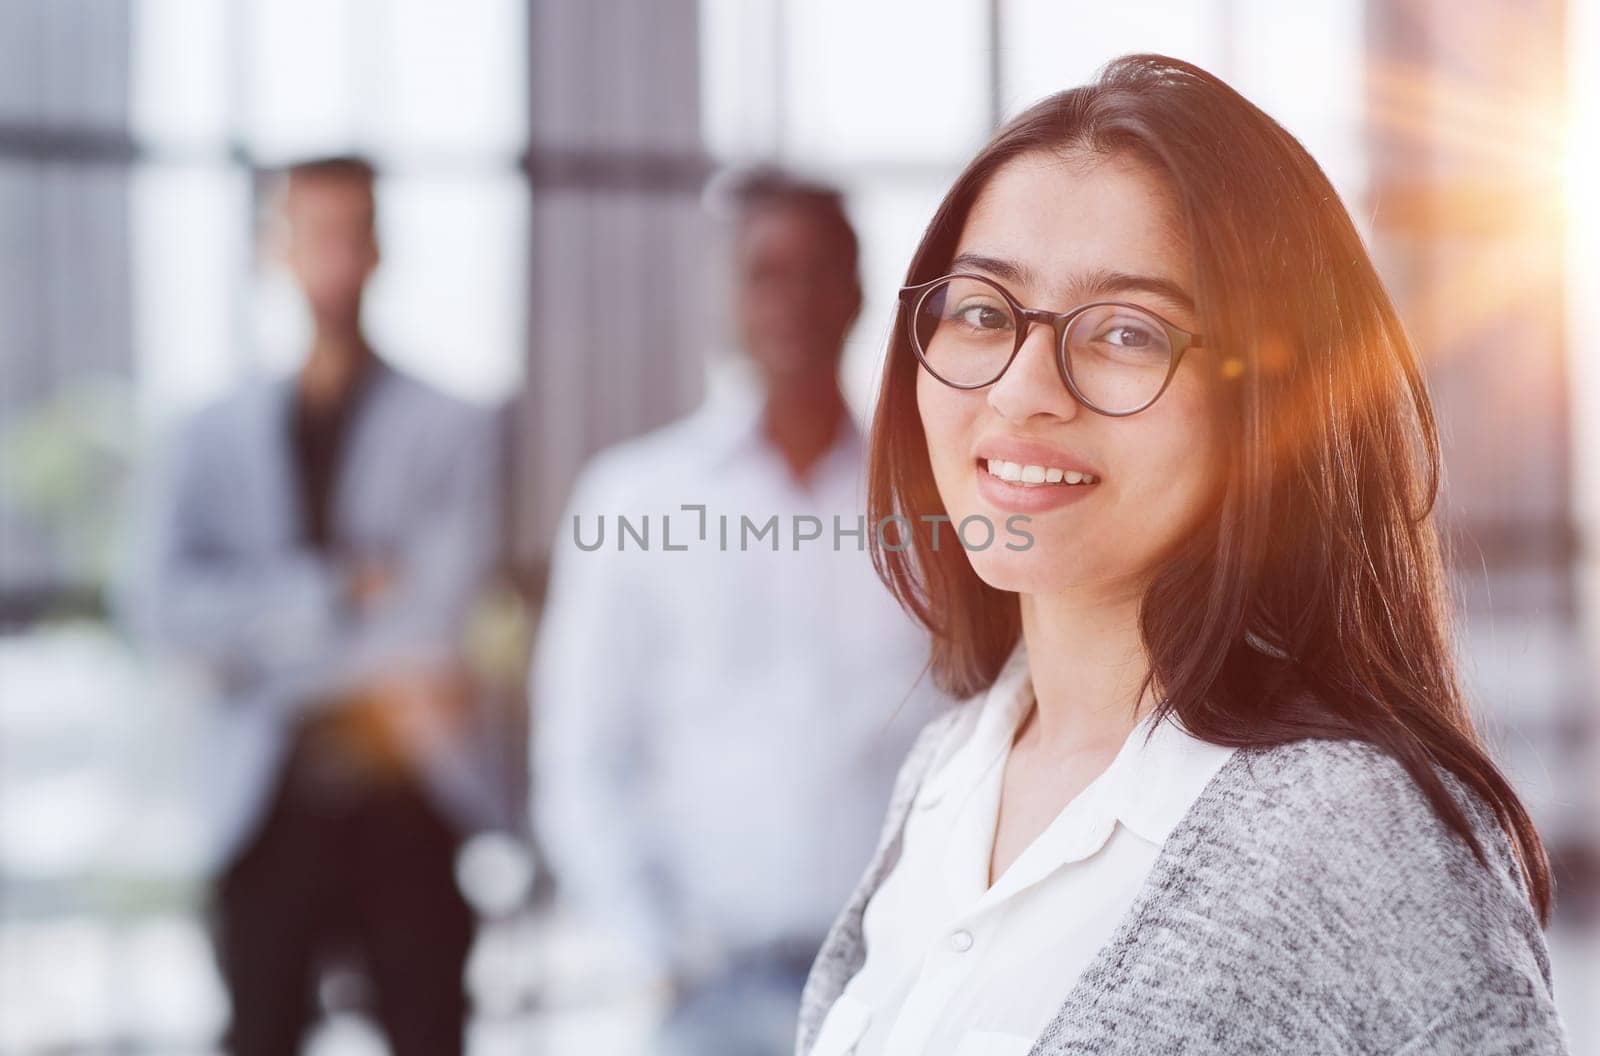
point(1115, 358)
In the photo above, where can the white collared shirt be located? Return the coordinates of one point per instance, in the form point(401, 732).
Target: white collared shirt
point(957, 968)
point(719, 727)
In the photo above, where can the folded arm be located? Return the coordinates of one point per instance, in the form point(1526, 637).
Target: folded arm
point(287, 620)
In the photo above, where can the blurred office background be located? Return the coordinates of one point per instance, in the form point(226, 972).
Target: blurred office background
point(546, 251)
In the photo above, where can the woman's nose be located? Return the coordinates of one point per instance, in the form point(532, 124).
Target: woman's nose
point(1032, 383)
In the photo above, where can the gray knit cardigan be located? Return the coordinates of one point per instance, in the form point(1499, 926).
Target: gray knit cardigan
point(1309, 902)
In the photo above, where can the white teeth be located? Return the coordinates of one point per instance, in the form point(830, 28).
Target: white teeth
point(1017, 473)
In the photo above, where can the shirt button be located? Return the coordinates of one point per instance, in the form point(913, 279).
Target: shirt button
point(961, 941)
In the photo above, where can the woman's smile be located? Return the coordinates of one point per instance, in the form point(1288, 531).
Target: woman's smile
point(1033, 490)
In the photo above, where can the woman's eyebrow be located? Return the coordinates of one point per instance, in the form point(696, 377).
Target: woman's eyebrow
point(1003, 269)
point(1104, 280)
point(1094, 283)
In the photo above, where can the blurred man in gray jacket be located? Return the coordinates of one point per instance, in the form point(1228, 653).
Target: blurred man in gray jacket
point(316, 542)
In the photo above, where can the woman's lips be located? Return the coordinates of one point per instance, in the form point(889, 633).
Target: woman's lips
point(1022, 497)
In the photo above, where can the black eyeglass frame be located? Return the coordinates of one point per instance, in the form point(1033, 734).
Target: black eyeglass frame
point(1181, 340)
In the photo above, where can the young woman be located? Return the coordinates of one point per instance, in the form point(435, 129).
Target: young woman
point(1166, 462)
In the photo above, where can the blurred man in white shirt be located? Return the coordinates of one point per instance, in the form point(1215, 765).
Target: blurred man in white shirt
point(721, 707)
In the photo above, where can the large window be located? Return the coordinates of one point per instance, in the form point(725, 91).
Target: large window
point(134, 142)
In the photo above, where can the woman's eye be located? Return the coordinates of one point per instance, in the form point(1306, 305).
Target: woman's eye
point(983, 317)
point(1129, 335)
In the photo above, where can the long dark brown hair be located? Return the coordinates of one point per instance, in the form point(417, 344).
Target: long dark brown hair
point(1313, 604)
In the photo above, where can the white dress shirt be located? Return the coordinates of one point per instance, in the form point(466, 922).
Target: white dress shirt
point(718, 729)
point(955, 967)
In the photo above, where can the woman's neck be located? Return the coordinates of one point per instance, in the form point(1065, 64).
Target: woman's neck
point(1087, 662)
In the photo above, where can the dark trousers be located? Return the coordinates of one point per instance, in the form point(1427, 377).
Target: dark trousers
point(362, 865)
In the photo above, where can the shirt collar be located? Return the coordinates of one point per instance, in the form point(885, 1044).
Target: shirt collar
point(1157, 776)
point(997, 716)
point(1149, 785)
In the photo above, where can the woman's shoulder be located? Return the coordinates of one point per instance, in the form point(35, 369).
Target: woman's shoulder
point(1343, 800)
point(1340, 836)
point(1312, 900)
point(1352, 788)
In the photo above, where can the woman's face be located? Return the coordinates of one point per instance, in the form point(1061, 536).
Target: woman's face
point(1049, 229)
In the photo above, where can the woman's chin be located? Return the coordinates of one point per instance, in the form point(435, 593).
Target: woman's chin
point(1032, 572)
point(1018, 572)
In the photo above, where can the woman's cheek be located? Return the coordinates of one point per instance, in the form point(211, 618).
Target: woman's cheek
point(1181, 485)
point(945, 429)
